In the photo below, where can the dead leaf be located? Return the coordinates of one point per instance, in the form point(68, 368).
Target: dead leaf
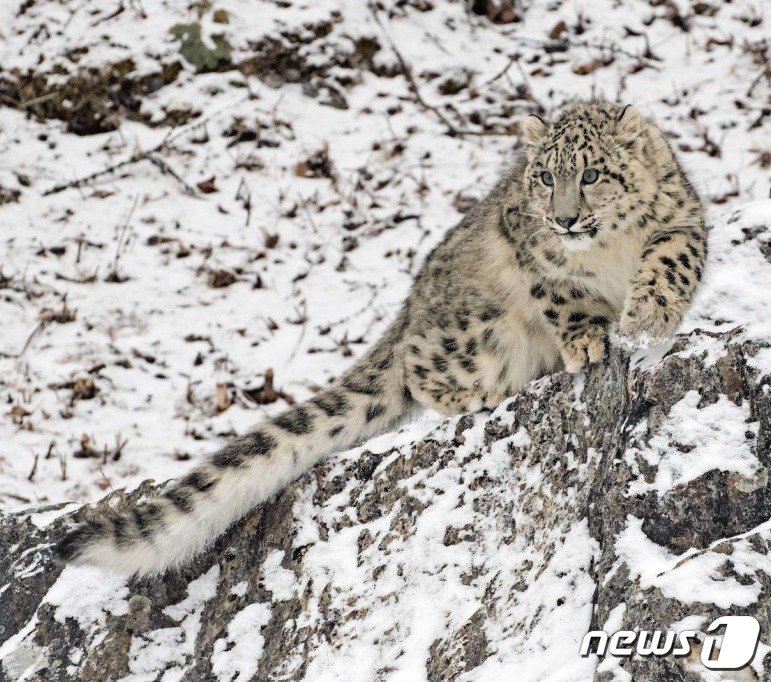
point(86, 450)
point(317, 165)
point(592, 66)
point(559, 28)
point(223, 399)
point(266, 393)
point(8, 196)
point(83, 389)
point(218, 279)
point(207, 186)
point(101, 193)
point(18, 413)
point(61, 316)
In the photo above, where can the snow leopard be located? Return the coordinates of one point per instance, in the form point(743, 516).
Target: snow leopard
point(594, 224)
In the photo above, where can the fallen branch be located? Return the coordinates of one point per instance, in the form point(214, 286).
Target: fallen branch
point(142, 155)
point(87, 179)
point(38, 328)
point(166, 169)
point(648, 59)
point(452, 129)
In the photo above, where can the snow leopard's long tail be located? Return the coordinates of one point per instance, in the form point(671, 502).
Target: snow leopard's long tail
point(172, 528)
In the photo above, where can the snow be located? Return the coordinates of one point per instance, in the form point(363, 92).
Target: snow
point(557, 635)
point(612, 664)
point(693, 577)
point(19, 655)
point(394, 625)
point(236, 658)
point(240, 589)
point(280, 582)
point(44, 519)
point(737, 272)
point(171, 649)
point(164, 406)
point(694, 440)
point(157, 345)
point(88, 595)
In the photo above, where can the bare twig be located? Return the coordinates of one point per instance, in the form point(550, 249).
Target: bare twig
point(116, 453)
point(14, 496)
point(62, 464)
point(452, 129)
point(764, 72)
point(512, 60)
point(87, 179)
point(373, 294)
point(32, 473)
point(244, 195)
point(119, 10)
point(30, 102)
point(302, 319)
point(166, 169)
point(122, 238)
point(39, 328)
point(563, 44)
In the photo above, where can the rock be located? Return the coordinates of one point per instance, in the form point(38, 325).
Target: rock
point(633, 497)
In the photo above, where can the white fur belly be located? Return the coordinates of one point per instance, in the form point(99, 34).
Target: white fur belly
point(613, 284)
point(612, 269)
point(525, 352)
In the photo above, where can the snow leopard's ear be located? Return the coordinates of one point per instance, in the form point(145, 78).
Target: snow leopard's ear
point(535, 130)
point(630, 124)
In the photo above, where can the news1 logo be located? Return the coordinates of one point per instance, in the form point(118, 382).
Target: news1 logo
point(736, 650)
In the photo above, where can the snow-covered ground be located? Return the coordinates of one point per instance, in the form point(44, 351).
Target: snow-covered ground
point(140, 311)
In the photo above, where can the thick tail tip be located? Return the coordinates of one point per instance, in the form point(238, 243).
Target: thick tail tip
point(111, 542)
point(76, 542)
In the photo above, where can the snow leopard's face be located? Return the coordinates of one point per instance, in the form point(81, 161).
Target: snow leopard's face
point(587, 174)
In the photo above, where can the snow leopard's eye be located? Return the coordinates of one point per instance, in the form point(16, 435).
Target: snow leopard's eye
point(590, 176)
point(547, 178)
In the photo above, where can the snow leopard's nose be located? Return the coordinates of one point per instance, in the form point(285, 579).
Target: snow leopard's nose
point(567, 223)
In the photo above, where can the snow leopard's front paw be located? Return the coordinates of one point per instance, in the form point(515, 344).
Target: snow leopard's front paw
point(654, 314)
point(588, 347)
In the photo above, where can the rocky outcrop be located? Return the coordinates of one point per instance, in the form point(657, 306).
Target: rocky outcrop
point(636, 496)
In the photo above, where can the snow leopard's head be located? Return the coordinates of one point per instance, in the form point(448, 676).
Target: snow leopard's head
point(593, 170)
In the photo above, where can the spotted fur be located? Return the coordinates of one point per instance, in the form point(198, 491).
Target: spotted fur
point(595, 222)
